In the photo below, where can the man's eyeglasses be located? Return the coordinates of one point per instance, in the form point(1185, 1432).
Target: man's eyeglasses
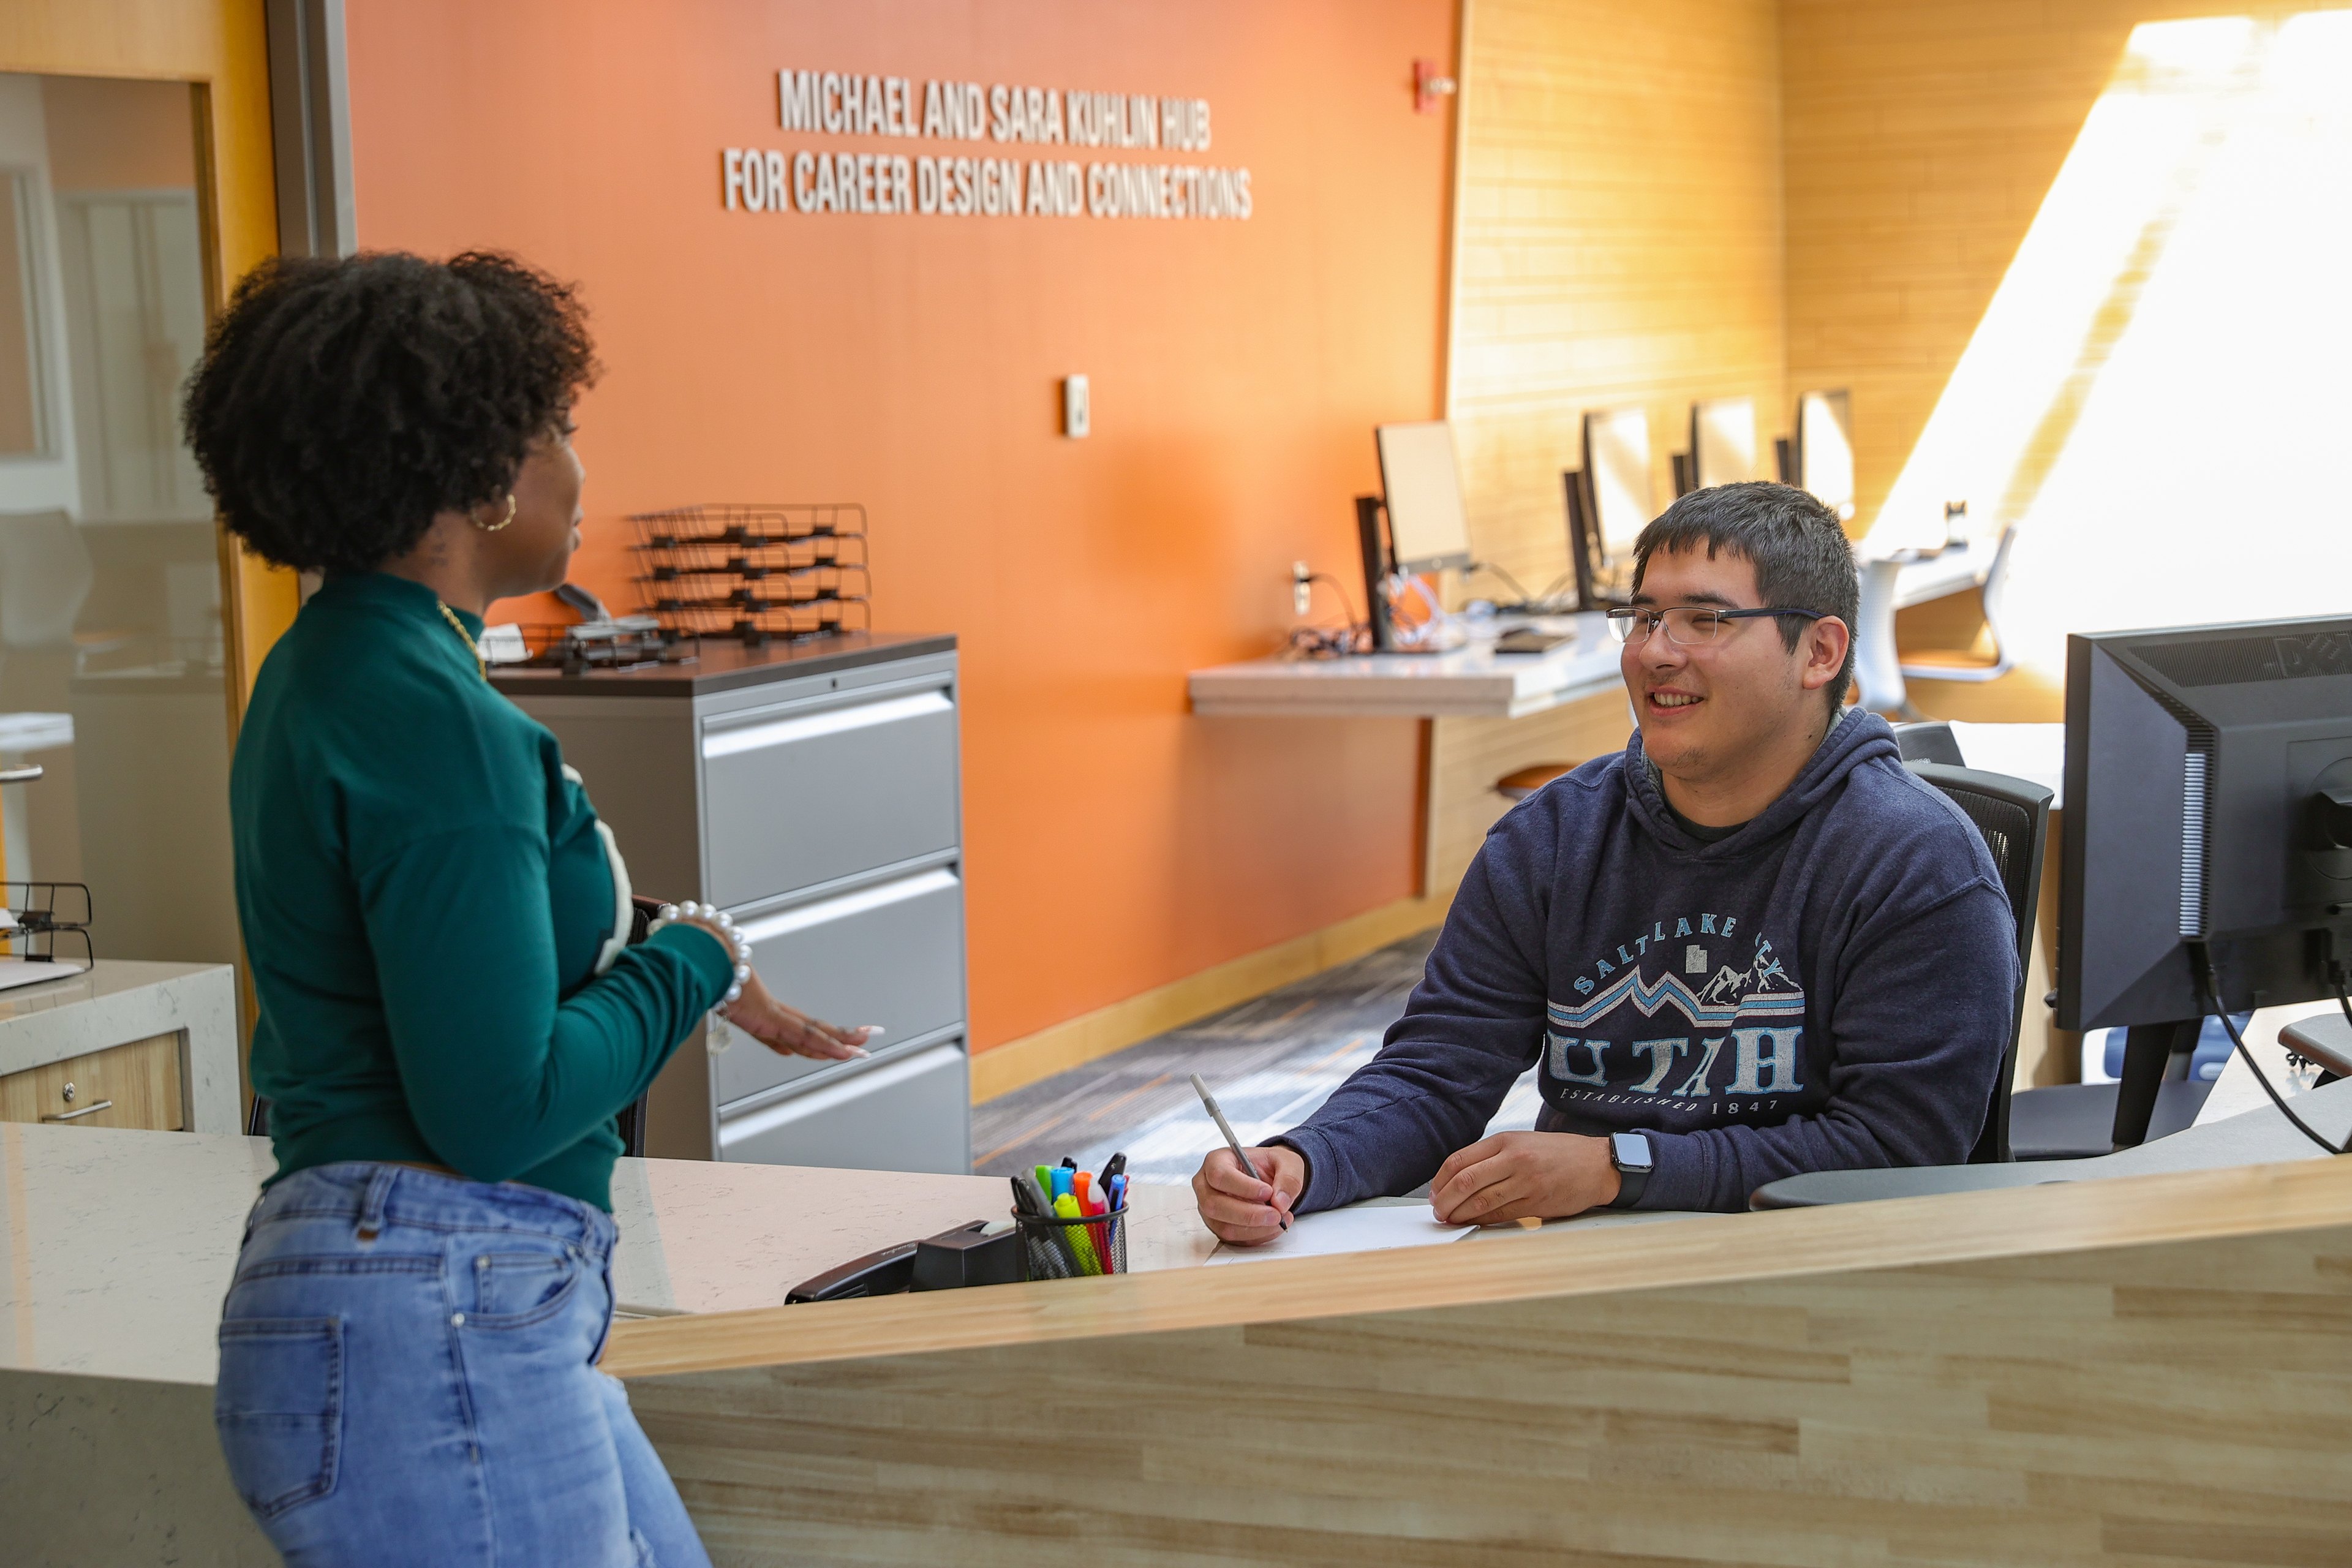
point(1688, 625)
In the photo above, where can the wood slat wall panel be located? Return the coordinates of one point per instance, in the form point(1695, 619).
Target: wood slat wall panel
point(1619, 242)
point(1921, 136)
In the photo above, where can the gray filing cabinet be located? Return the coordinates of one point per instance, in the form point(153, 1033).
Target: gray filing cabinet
point(813, 793)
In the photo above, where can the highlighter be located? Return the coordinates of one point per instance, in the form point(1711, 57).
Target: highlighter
point(1060, 1186)
point(1079, 1184)
point(1081, 1248)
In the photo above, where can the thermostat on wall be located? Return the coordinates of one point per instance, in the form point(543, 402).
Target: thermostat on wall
point(1075, 419)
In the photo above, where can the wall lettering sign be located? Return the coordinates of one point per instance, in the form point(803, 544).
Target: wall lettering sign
point(828, 103)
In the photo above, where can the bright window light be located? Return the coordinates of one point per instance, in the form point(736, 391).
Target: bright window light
point(2160, 393)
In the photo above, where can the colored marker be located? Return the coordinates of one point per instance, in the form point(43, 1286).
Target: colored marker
point(1024, 1198)
point(1100, 1206)
point(1060, 1187)
point(1081, 1248)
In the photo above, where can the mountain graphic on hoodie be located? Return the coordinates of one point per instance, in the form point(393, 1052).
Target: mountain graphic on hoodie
point(1731, 986)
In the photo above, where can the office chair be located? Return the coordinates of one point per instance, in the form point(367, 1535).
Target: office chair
point(1877, 670)
point(1937, 665)
point(1521, 783)
point(1929, 740)
point(2013, 818)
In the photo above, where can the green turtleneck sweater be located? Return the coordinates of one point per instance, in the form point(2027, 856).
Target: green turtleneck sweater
point(434, 916)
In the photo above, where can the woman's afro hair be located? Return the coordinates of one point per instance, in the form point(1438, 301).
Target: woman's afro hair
point(340, 404)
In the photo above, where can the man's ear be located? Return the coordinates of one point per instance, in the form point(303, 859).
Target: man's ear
point(1826, 641)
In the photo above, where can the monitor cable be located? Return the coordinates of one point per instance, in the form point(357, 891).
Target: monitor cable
point(1494, 570)
point(2202, 959)
point(1547, 603)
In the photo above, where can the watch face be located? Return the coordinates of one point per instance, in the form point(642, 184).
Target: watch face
point(1631, 1151)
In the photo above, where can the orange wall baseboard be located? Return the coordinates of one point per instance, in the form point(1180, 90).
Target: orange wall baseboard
point(1019, 1063)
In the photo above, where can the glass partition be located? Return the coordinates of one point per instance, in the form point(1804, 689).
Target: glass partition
point(113, 675)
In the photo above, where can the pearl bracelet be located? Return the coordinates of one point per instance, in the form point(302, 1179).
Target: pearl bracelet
point(691, 911)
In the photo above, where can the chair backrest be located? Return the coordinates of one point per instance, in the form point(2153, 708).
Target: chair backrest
point(1929, 740)
point(1877, 670)
point(1996, 583)
point(2012, 815)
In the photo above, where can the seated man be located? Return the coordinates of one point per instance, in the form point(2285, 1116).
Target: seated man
point(1750, 945)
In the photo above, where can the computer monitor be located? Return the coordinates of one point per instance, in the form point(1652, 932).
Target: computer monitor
point(1723, 441)
point(1428, 531)
point(2209, 803)
point(1617, 472)
point(1825, 452)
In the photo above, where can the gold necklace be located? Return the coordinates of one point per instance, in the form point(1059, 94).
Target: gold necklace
point(482, 661)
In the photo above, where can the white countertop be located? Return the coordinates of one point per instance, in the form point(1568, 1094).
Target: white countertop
point(1473, 681)
point(118, 1244)
point(1916, 580)
point(119, 1000)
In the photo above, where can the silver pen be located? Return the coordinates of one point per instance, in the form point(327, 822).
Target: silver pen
point(1226, 1128)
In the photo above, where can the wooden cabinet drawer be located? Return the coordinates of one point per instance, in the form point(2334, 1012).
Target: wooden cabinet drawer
point(139, 1085)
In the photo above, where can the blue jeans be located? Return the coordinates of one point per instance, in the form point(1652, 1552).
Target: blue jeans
point(408, 1375)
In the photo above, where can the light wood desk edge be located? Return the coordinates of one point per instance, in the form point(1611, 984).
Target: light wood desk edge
point(1961, 1227)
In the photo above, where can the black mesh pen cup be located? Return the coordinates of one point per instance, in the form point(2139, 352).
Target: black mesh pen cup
point(1072, 1248)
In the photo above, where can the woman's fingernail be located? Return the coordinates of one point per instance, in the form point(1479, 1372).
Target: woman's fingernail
point(873, 1031)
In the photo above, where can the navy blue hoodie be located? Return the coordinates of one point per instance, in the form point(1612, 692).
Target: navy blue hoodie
point(1831, 986)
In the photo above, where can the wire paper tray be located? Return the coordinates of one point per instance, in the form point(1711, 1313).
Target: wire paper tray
point(756, 572)
point(36, 917)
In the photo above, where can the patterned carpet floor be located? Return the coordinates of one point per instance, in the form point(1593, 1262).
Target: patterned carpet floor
point(1270, 1062)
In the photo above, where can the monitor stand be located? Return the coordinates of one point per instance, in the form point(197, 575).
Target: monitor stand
point(2153, 1053)
point(1584, 549)
point(1376, 571)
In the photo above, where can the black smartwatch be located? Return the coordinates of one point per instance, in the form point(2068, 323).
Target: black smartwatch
point(1629, 1152)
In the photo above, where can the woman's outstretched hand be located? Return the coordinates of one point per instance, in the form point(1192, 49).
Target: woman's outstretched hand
point(789, 1032)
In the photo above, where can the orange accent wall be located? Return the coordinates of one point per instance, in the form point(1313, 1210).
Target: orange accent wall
point(912, 363)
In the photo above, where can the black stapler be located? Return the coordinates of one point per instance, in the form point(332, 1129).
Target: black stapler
point(968, 1255)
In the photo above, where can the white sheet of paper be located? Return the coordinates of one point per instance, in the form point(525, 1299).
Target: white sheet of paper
point(1369, 1228)
point(15, 972)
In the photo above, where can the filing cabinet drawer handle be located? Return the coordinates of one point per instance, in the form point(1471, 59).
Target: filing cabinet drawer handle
point(758, 737)
point(85, 1110)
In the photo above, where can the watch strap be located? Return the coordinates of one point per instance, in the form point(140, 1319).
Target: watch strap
point(1630, 1182)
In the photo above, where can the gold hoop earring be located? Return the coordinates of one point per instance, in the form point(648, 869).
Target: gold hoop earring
point(494, 527)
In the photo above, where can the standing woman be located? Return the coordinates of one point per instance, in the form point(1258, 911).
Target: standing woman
point(450, 1014)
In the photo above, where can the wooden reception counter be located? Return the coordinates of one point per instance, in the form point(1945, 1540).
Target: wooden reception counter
point(2105, 1371)
point(2150, 1367)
